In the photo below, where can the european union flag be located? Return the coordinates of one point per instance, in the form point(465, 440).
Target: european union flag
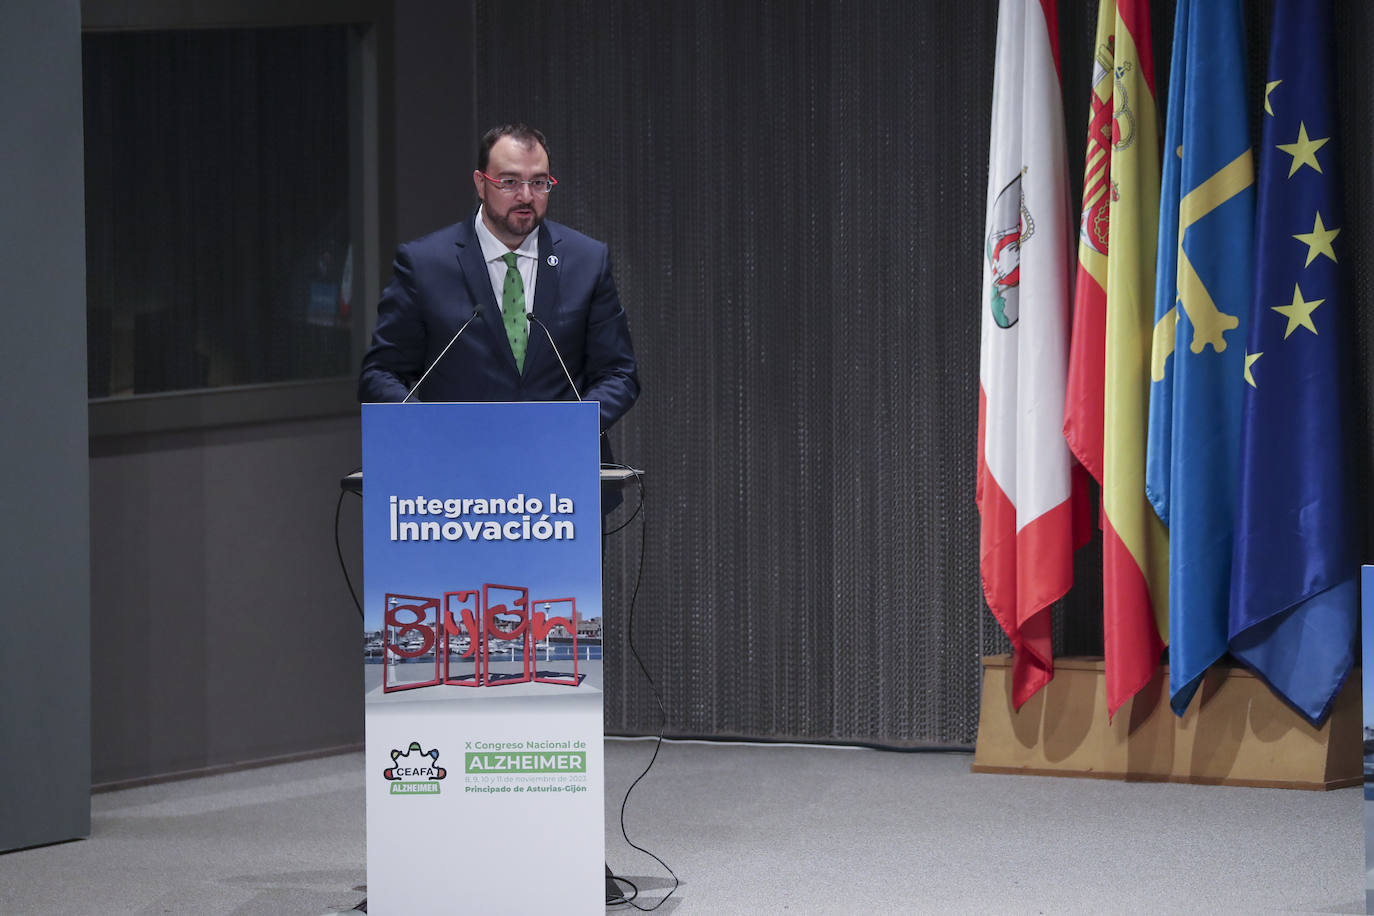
point(1201, 314)
point(1294, 601)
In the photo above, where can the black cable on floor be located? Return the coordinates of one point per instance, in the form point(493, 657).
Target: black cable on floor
point(622, 899)
point(658, 699)
point(343, 567)
point(338, 548)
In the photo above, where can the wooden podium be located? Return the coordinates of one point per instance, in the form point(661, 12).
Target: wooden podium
point(1235, 732)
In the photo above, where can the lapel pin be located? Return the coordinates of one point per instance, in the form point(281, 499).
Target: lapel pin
point(552, 260)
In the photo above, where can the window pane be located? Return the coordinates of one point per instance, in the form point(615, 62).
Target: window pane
point(217, 208)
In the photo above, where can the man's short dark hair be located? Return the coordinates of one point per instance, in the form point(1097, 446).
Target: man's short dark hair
point(520, 132)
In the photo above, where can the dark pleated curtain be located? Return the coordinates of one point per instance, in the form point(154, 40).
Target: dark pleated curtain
point(793, 195)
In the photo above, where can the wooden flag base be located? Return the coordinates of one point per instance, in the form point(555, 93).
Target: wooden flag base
point(1235, 732)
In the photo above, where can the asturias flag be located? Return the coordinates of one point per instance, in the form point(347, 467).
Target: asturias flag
point(1202, 299)
point(1024, 490)
point(1294, 607)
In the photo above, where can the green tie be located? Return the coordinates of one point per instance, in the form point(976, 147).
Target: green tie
point(513, 309)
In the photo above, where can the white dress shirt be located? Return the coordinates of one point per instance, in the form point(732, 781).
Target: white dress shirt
point(527, 260)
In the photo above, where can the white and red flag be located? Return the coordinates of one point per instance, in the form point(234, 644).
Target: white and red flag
point(1032, 518)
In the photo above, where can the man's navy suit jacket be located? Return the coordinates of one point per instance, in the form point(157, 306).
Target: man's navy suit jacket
point(441, 280)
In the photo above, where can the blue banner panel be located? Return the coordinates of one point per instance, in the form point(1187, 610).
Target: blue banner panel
point(482, 657)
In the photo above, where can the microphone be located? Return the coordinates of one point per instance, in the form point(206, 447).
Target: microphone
point(453, 340)
point(566, 373)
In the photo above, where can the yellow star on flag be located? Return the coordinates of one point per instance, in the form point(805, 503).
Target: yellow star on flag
point(1298, 312)
point(1318, 241)
point(1268, 88)
point(1303, 150)
point(1250, 361)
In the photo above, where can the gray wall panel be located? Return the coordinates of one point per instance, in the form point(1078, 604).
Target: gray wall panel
point(44, 548)
point(223, 629)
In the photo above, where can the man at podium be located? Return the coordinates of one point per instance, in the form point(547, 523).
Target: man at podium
point(504, 306)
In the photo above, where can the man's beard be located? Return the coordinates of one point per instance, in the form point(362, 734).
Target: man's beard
point(509, 226)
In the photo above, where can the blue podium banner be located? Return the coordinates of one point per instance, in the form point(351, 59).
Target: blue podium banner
point(482, 656)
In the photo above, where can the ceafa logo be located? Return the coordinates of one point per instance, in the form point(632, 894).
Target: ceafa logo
point(415, 772)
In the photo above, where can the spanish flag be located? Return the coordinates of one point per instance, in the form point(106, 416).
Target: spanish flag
point(1110, 356)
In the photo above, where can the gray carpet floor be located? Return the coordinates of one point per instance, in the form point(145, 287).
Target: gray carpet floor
point(750, 830)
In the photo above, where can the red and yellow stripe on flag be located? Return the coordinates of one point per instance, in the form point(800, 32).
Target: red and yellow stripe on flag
point(1025, 486)
point(1135, 544)
point(1088, 350)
